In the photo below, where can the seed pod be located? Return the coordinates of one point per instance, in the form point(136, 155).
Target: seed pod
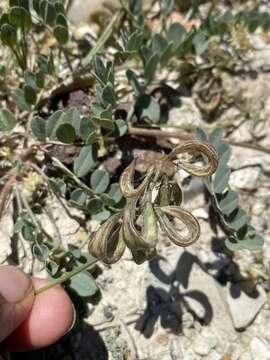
point(150, 227)
point(107, 244)
point(176, 195)
point(169, 194)
point(163, 196)
point(140, 256)
point(169, 229)
point(131, 235)
point(203, 148)
point(126, 181)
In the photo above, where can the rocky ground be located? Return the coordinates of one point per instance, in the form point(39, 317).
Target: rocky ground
point(199, 303)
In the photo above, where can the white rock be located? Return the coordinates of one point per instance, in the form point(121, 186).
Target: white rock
point(244, 308)
point(213, 355)
point(240, 158)
point(247, 178)
point(82, 10)
point(246, 356)
point(187, 114)
point(260, 349)
point(187, 320)
point(204, 342)
point(189, 355)
point(57, 222)
point(201, 214)
point(165, 357)
point(205, 297)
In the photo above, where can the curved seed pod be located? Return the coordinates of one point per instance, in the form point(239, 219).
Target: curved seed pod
point(126, 181)
point(132, 237)
point(140, 256)
point(169, 194)
point(150, 226)
point(205, 149)
point(186, 217)
point(176, 195)
point(107, 244)
point(163, 196)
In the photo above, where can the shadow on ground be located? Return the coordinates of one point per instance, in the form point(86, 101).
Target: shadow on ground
point(167, 306)
point(83, 343)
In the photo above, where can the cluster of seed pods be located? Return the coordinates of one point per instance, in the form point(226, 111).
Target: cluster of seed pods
point(151, 206)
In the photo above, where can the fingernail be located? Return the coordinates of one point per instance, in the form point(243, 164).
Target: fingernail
point(14, 284)
point(73, 321)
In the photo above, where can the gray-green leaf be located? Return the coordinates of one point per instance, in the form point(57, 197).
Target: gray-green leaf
point(229, 203)
point(66, 133)
point(61, 34)
point(222, 177)
point(83, 284)
point(7, 120)
point(147, 107)
point(86, 161)
point(100, 180)
point(38, 126)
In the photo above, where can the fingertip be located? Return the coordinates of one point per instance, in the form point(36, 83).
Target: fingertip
point(16, 299)
point(51, 317)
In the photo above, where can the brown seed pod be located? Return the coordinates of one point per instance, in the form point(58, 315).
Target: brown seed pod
point(186, 217)
point(132, 237)
point(126, 181)
point(197, 147)
point(107, 243)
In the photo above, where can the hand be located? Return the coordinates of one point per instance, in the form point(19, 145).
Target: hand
point(28, 321)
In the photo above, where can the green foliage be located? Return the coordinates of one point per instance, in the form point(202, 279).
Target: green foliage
point(86, 161)
point(233, 219)
point(7, 120)
point(147, 107)
point(83, 284)
point(66, 148)
point(100, 181)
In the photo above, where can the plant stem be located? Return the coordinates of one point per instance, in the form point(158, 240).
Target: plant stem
point(67, 59)
point(33, 217)
point(66, 276)
point(102, 40)
point(19, 60)
point(186, 137)
point(61, 166)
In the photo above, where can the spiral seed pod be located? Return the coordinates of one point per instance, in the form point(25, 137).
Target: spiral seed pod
point(120, 231)
point(150, 228)
point(132, 237)
point(184, 216)
point(126, 181)
point(197, 147)
point(107, 243)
